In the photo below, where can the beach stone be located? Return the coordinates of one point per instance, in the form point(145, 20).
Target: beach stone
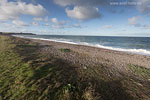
point(139, 84)
point(84, 67)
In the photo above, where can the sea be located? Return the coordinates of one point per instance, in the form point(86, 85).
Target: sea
point(137, 45)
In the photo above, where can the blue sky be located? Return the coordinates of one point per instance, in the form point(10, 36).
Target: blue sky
point(76, 17)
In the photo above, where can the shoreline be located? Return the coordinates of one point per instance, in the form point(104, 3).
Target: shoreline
point(143, 52)
point(119, 58)
point(53, 71)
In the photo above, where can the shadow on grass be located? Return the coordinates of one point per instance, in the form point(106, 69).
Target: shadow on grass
point(56, 79)
point(111, 90)
point(58, 75)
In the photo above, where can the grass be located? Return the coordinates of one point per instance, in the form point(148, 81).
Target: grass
point(13, 71)
point(140, 71)
point(64, 50)
point(27, 74)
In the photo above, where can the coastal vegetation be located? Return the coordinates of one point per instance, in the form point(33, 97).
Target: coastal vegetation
point(140, 71)
point(26, 73)
point(65, 50)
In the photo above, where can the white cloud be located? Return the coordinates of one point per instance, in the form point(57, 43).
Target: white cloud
point(13, 10)
point(54, 20)
point(62, 24)
point(144, 6)
point(134, 20)
point(82, 9)
point(83, 13)
point(107, 26)
point(58, 24)
point(19, 23)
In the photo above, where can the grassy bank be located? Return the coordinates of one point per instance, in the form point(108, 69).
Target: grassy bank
point(28, 74)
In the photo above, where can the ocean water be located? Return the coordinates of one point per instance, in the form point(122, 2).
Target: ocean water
point(138, 45)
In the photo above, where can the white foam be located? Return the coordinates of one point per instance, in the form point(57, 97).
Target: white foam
point(136, 51)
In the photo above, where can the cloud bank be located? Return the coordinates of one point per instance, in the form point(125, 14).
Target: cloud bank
point(13, 10)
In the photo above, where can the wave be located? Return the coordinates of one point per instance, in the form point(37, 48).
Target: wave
point(135, 51)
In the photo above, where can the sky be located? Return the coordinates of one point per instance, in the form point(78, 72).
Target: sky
point(76, 17)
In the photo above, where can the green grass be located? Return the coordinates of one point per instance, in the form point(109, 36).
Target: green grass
point(14, 73)
point(27, 74)
point(139, 70)
point(64, 50)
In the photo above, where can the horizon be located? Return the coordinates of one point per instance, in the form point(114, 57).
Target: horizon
point(74, 17)
point(80, 35)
